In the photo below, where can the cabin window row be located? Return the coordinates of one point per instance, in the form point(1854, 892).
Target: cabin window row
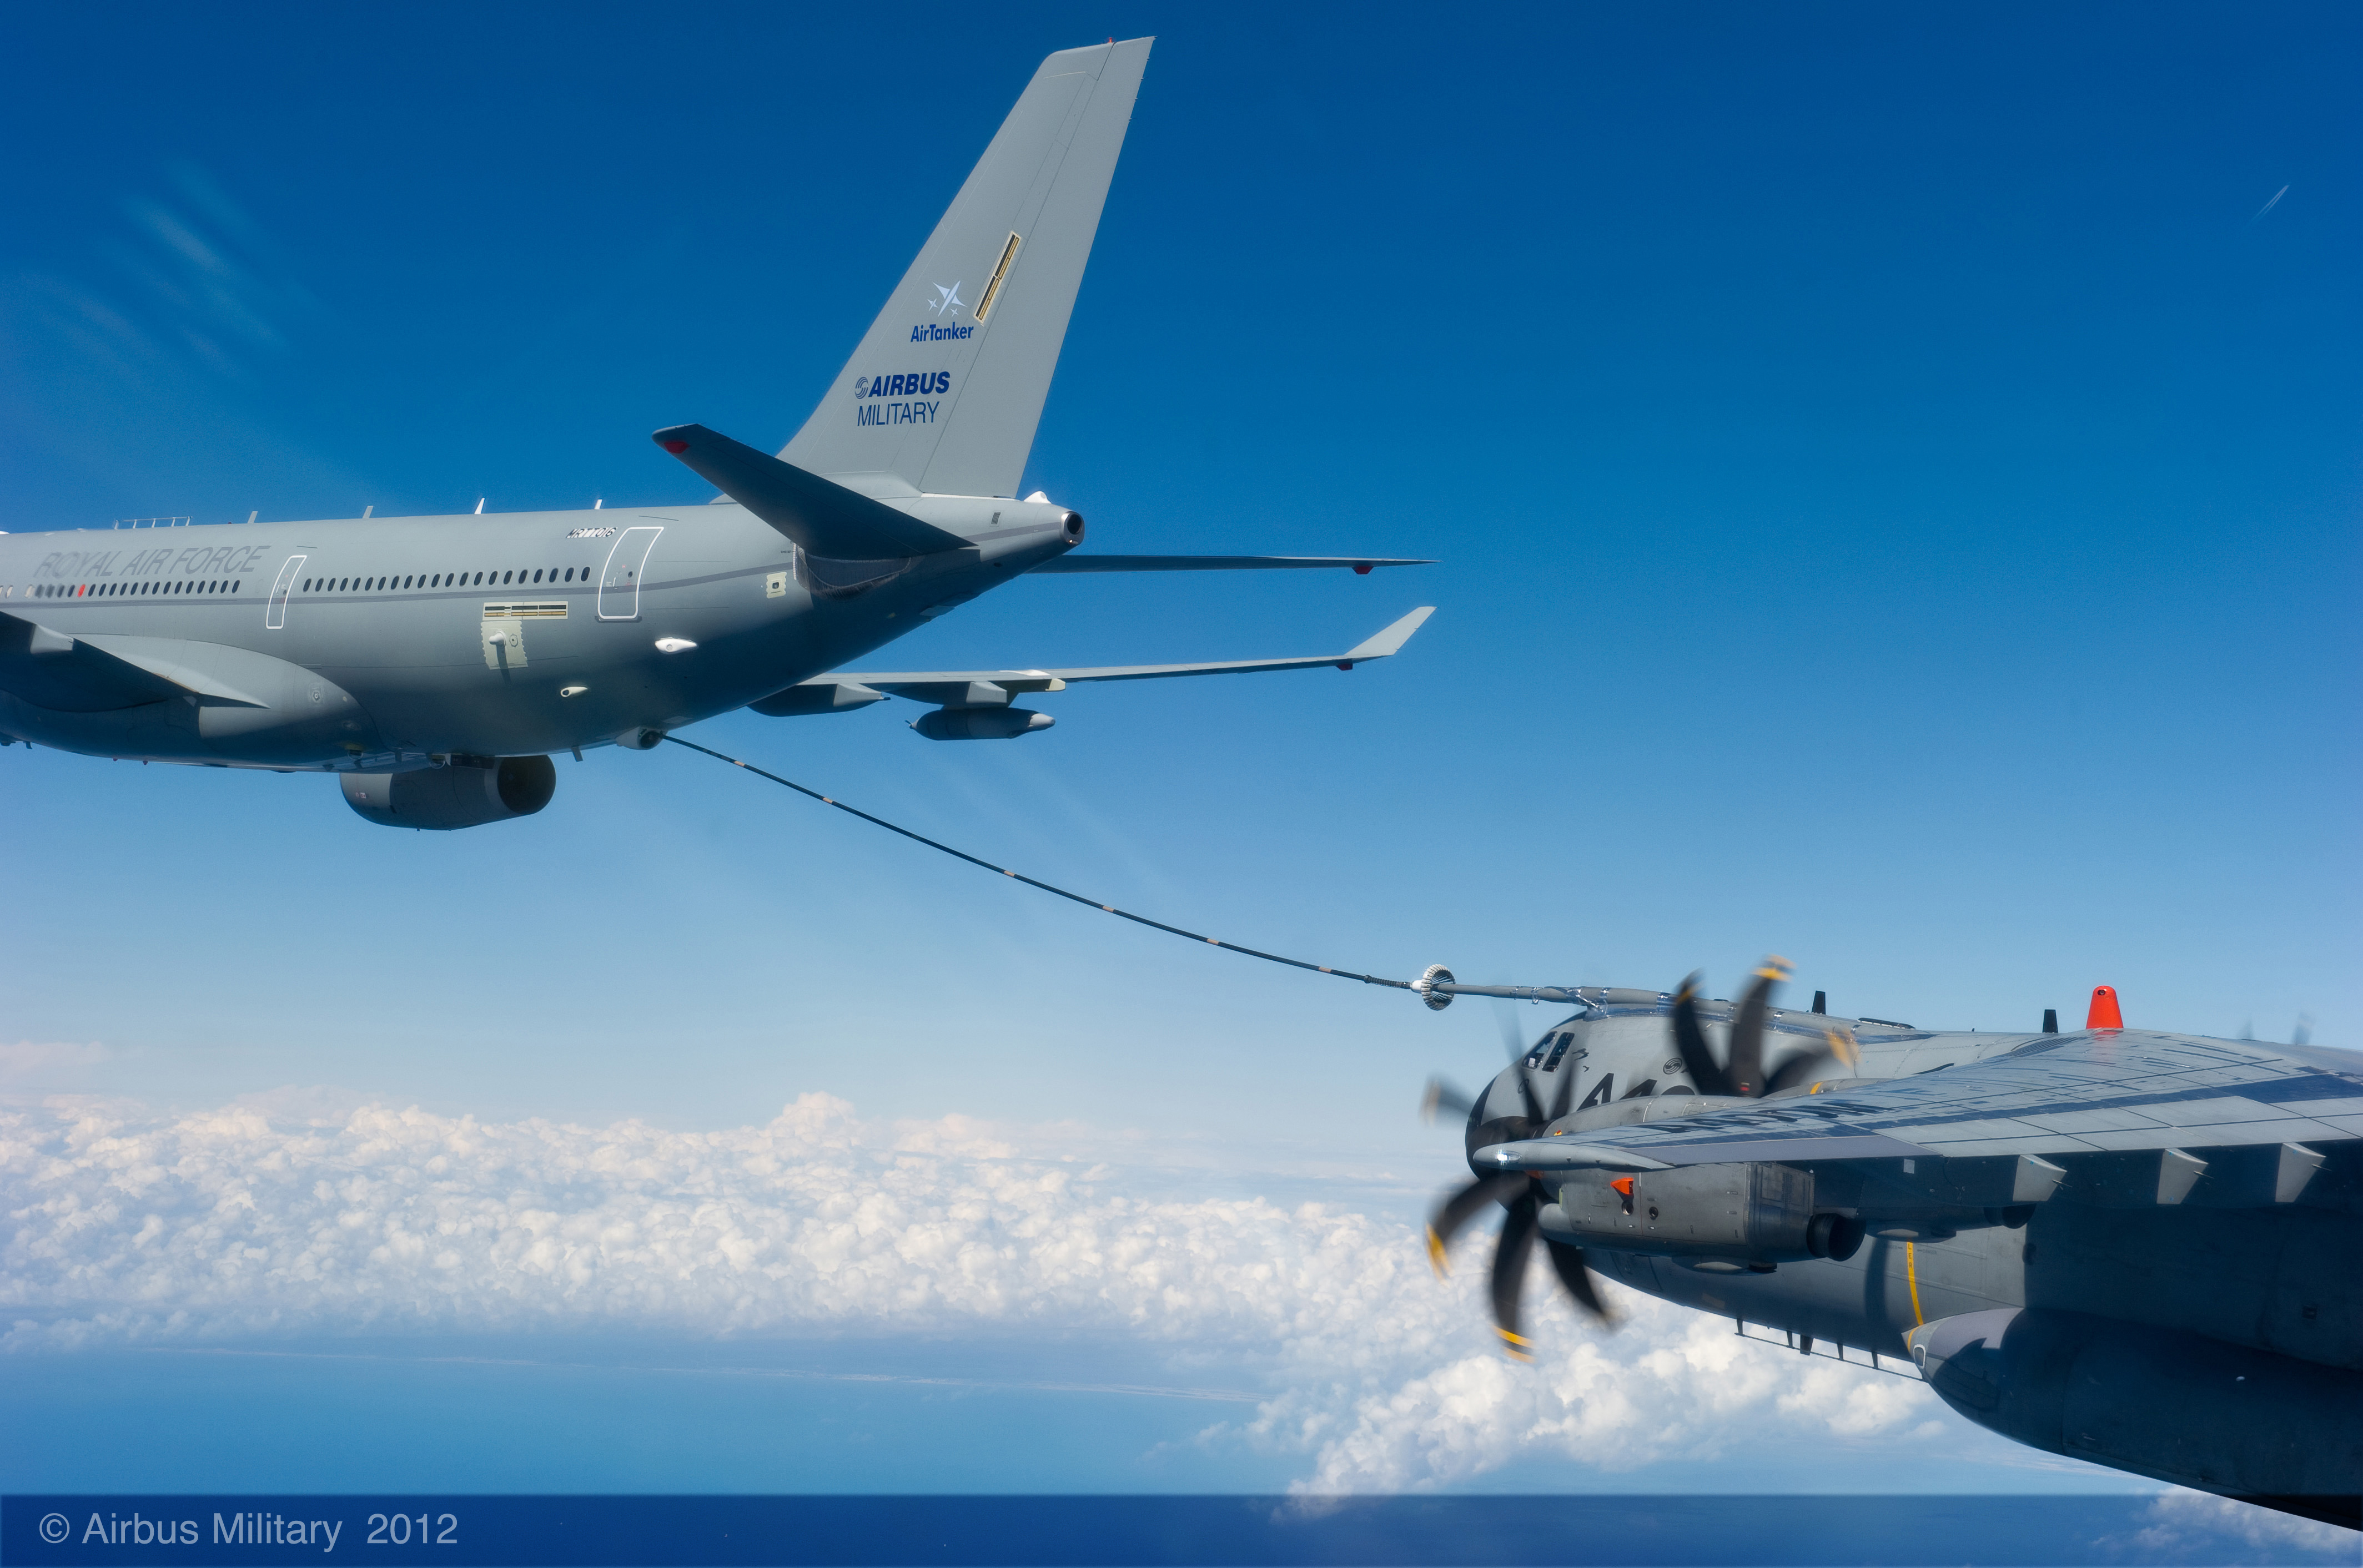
point(435, 579)
point(135, 589)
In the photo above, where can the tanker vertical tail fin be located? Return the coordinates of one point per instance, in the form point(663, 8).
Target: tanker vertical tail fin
point(945, 392)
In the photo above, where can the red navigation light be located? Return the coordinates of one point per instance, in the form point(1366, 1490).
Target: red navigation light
point(676, 448)
point(1361, 568)
point(2104, 1013)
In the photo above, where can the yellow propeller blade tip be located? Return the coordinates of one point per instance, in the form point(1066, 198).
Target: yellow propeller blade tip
point(1436, 1253)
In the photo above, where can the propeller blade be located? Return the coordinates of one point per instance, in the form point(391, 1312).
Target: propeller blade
point(1442, 1096)
point(1510, 1255)
point(1517, 1050)
point(1689, 1040)
point(1747, 1056)
point(1804, 1069)
point(1567, 1261)
point(1458, 1209)
point(1505, 1018)
point(1534, 1105)
point(1799, 1070)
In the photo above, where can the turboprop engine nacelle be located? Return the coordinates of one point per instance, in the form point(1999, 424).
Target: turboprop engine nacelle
point(464, 794)
point(1741, 1214)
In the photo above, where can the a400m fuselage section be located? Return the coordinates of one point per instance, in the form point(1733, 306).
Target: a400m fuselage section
point(384, 643)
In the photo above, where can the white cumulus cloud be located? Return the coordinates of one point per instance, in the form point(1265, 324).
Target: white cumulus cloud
point(125, 1225)
point(2181, 1521)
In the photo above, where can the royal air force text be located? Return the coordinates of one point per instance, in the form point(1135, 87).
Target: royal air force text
point(105, 565)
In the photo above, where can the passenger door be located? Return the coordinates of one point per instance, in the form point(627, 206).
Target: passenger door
point(619, 584)
point(274, 618)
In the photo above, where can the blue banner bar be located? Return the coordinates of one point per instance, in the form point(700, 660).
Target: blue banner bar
point(457, 1532)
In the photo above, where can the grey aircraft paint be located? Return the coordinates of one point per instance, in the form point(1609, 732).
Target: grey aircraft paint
point(384, 647)
point(382, 654)
point(2132, 1248)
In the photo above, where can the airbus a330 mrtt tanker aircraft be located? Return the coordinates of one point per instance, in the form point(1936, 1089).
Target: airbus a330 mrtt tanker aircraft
point(435, 662)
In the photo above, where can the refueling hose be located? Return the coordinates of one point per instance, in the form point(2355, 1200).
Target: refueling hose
point(1033, 882)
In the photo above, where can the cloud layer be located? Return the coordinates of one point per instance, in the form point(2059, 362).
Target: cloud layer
point(125, 1225)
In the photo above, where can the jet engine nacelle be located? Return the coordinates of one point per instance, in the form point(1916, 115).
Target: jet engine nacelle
point(1757, 1212)
point(2195, 1411)
point(981, 724)
point(465, 794)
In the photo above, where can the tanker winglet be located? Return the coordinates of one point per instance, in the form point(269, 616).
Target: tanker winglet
point(1390, 639)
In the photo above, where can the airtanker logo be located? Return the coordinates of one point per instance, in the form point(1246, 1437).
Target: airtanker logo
point(946, 303)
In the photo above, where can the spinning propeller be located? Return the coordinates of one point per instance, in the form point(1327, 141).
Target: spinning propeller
point(1742, 1071)
point(1739, 1076)
point(1521, 1194)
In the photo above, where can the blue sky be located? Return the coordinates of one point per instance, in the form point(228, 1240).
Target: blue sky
point(1896, 500)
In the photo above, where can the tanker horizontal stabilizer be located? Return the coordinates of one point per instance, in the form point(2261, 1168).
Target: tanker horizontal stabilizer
point(1059, 566)
point(827, 519)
